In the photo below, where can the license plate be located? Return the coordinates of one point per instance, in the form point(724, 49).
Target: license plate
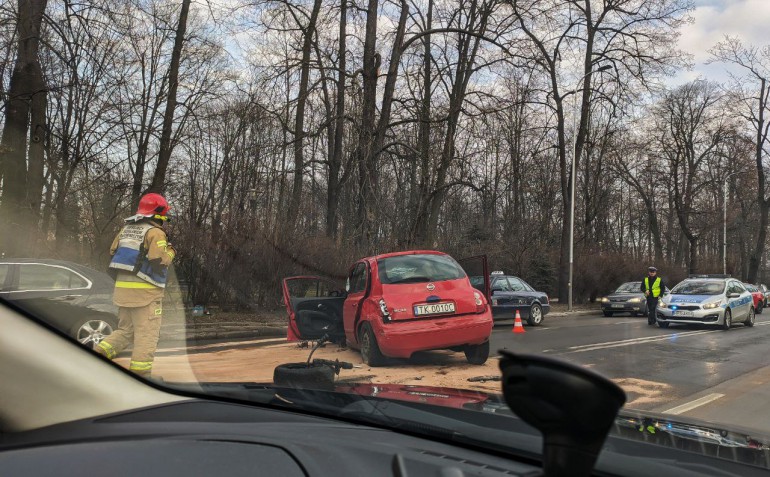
point(682, 313)
point(434, 309)
point(617, 305)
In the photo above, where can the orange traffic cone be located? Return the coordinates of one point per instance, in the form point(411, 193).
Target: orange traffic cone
point(517, 326)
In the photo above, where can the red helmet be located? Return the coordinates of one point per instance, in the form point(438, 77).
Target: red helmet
point(151, 205)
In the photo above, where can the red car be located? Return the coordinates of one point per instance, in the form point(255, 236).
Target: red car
point(394, 305)
point(758, 295)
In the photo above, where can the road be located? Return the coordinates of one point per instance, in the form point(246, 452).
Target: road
point(692, 371)
point(698, 372)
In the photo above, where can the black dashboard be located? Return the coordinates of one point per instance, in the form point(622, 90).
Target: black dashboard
point(202, 437)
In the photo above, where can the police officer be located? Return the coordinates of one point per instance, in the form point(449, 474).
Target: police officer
point(141, 256)
point(652, 286)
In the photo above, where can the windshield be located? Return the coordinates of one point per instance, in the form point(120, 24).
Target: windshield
point(630, 287)
point(240, 181)
point(698, 287)
point(418, 268)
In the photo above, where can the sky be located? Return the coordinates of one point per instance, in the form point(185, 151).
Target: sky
point(713, 19)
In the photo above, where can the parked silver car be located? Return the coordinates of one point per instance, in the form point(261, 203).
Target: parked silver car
point(707, 301)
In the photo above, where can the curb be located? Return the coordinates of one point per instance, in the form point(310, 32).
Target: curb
point(561, 314)
point(209, 333)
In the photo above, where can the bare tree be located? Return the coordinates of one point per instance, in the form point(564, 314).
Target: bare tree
point(752, 93)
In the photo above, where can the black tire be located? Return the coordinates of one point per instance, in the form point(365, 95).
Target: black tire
point(299, 375)
point(477, 354)
point(760, 307)
point(662, 324)
point(750, 319)
point(90, 331)
point(607, 313)
point(370, 350)
point(728, 320)
point(535, 315)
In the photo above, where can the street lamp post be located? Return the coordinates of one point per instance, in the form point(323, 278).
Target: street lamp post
point(572, 182)
point(724, 224)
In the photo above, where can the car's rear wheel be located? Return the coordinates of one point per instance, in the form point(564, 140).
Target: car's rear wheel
point(535, 315)
point(300, 375)
point(370, 350)
point(607, 313)
point(728, 320)
point(751, 318)
point(477, 354)
point(90, 331)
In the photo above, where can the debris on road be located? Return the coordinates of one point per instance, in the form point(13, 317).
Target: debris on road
point(484, 379)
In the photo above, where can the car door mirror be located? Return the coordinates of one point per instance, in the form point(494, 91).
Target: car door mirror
point(734, 295)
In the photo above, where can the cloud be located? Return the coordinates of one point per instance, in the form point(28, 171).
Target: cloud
point(713, 19)
point(746, 19)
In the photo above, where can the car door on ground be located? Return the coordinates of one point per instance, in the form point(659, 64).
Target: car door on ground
point(315, 307)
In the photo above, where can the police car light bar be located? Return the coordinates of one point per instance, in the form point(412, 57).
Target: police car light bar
point(711, 275)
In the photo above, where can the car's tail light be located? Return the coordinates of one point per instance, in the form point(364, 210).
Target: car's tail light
point(384, 311)
point(480, 306)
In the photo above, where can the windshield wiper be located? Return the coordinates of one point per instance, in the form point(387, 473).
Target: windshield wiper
point(411, 280)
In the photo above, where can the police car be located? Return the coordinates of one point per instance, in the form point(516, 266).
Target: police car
point(708, 300)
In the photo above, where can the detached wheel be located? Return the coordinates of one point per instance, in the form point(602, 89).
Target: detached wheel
point(607, 313)
point(370, 350)
point(751, 318)
point(535, 315)
point(90, 331)
point(477, 354)
point(728, 320)
point(299, 375)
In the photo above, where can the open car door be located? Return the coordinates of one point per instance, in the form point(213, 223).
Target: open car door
point(314, 305)
point(478, 272)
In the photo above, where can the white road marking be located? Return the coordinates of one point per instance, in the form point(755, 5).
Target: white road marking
point(689, 406)
point(633, 341)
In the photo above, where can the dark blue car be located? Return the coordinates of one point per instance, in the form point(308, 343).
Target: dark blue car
point(511, 294)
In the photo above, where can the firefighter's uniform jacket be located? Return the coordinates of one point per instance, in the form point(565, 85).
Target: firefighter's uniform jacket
point(141, 256)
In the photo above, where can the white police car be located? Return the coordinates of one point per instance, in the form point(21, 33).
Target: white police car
point(708, 300)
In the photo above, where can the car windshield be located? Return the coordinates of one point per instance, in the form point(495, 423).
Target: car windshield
point(699, 287)
point(203, 193)
point(630, 287)
point(418, 268)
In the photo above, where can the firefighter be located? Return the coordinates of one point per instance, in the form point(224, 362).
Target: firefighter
point(652, 286)
point(141, 256)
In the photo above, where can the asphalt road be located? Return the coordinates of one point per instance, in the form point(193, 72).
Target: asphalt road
point(693, 371)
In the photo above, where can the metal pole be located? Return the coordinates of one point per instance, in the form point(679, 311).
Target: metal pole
point(572, 197)
point(572, 181)
point(724, 231)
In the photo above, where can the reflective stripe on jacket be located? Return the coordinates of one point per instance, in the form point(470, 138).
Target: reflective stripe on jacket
point(655, 286)
point(131, 255)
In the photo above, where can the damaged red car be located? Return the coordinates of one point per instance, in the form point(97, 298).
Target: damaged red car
point(394, 305)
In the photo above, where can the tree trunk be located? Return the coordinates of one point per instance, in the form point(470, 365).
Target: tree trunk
point(299, 119)
point(26, 83)
point(166, 144)
point(755, 260)
point(335, 161)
